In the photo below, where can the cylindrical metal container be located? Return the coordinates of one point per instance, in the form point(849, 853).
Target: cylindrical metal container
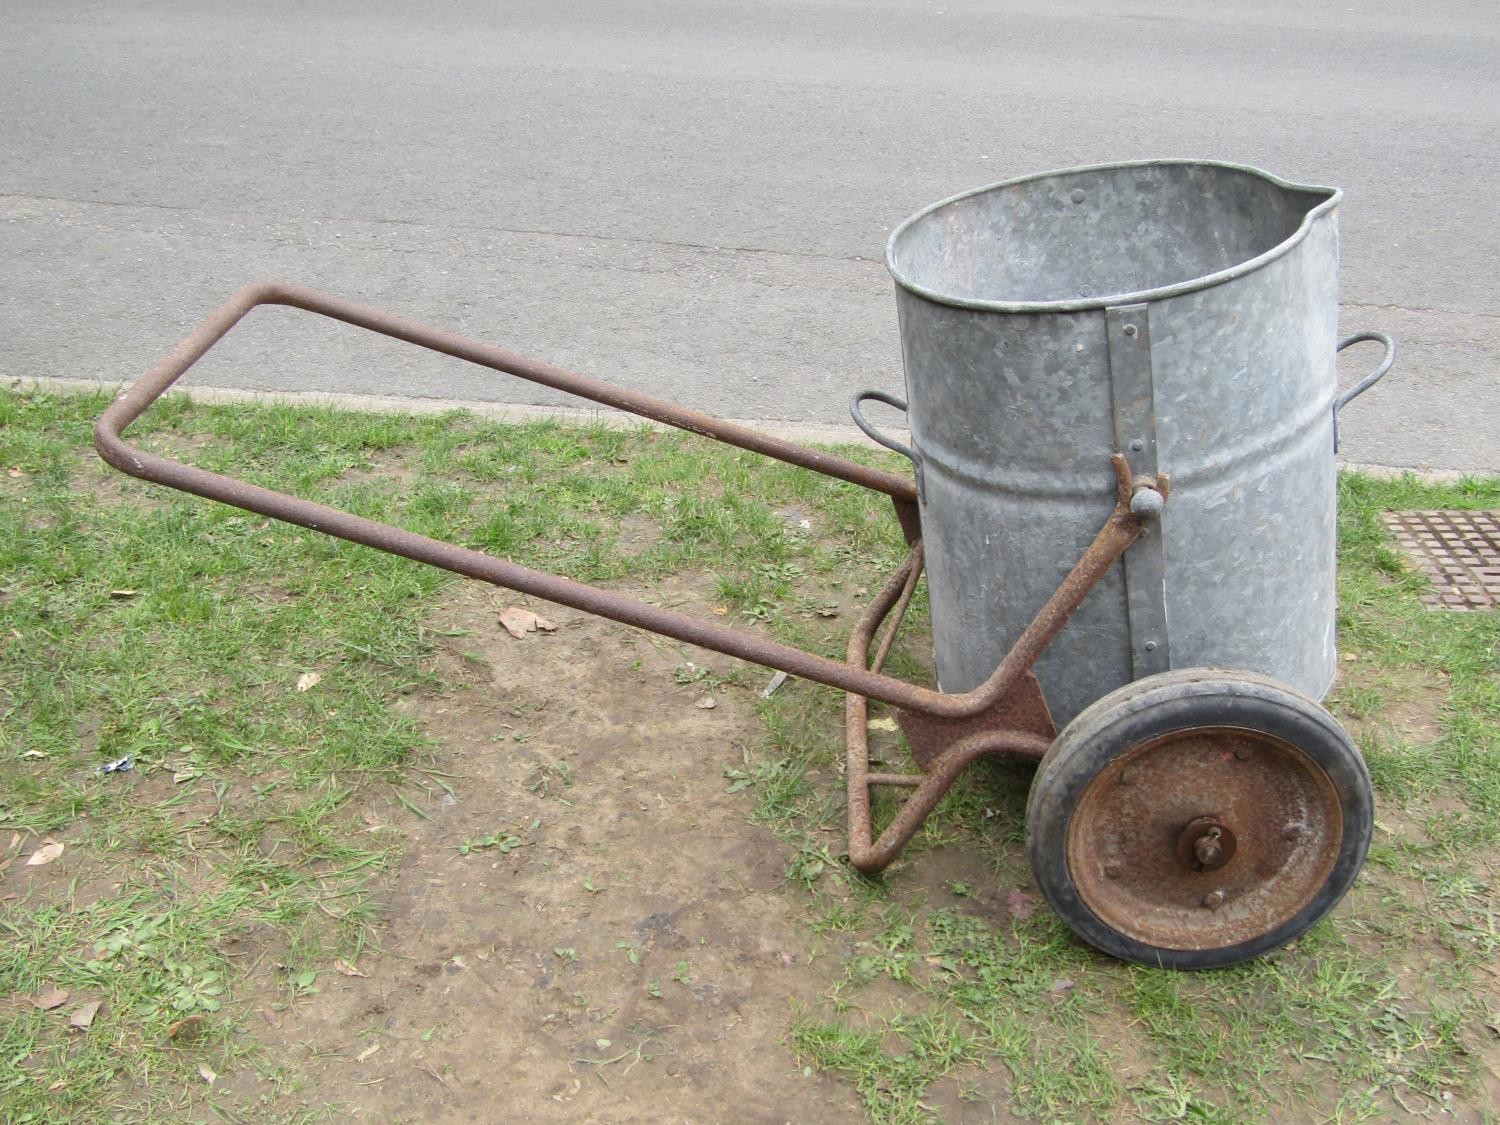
point(1181, 313)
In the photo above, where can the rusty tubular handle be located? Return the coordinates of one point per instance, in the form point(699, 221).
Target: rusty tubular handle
point(870, 855)
point(1119, 532)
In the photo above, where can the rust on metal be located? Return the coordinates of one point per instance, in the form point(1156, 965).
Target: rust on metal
point(1004, 715)
point(912, 572)
point(953, 741)
point(908, 517)
point(1205, 844)
point(1121, 529)
point(895, 780)
point(1022, 708)
point(1185, 842)
point(871, 855)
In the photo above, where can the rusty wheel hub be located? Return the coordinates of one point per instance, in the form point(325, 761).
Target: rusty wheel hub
point(1204, 838)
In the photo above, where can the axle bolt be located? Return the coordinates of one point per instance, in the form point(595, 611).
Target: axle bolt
point(1207, 848)
point(1213, 900)
point(1205, 844)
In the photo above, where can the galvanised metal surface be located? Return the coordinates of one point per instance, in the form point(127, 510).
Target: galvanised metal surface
point(1182, 313)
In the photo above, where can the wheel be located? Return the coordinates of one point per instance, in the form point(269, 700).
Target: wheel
point(1198, 819)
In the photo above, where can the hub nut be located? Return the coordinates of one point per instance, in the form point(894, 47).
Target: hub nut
point(1208, 849)
point(1205, 843)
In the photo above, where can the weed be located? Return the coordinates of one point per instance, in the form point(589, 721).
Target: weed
point(149, 624)
point(632, 951)
point(502, 841)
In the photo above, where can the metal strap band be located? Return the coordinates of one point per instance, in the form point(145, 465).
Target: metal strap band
point(1134, 399)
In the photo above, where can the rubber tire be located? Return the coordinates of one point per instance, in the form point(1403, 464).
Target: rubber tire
point(1157, 706)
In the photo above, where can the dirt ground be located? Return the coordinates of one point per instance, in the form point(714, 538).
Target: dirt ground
point(627, 951)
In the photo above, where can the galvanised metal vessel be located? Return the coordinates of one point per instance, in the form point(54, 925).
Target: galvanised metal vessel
point(1183, 313)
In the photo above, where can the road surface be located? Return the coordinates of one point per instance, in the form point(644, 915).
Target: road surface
point(692, 196)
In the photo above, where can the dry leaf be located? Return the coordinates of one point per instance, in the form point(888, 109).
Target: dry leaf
point(367, 1052)
point(16, 474)
point(347, 969)
point(123, 593)
point(84, 1014)
point(309, 680)
point(49, 1000)
point(518, 622)
point(186, 1029)
point(34, 754)
point(56, 1086)
point(721, 611)
point(886, 723)
point(1021, 905)
point(270, 1017)
point(1061, 984)
point(707, 703)
point(44, 854)
point(206, 1074)
point(15, 837)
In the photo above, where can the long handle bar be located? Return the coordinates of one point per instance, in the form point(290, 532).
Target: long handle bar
point(1119, 532)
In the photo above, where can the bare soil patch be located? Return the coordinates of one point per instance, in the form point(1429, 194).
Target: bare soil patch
point(395, 468)
point(626, 951)
point(1411, 701)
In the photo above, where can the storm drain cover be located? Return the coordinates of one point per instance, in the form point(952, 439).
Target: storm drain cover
point(1459, 551)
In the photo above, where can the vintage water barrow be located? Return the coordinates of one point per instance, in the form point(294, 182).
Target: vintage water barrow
point(1127, 361)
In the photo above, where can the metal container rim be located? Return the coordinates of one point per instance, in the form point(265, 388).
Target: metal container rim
point(1081, 304)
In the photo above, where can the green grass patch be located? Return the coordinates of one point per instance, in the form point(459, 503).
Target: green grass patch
point(1386, 1010)
point(251, 673)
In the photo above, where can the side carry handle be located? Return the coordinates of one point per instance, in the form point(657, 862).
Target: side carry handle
point(871, 432)
point(1364, 384)
point(885, 439)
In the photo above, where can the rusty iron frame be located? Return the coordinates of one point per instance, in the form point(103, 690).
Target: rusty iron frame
point(858, 677)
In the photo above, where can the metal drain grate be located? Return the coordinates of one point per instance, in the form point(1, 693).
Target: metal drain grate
point(1459, 551)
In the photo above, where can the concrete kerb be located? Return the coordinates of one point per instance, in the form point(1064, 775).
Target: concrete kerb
point(498, 411)
point(515, 412)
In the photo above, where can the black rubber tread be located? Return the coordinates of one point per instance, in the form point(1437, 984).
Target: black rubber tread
point(1158, 705)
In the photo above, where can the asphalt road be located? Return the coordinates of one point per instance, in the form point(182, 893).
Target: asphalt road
point(692, 196)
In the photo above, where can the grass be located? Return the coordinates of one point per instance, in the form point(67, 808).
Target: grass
point(236, 861)
point(1386, 1011)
